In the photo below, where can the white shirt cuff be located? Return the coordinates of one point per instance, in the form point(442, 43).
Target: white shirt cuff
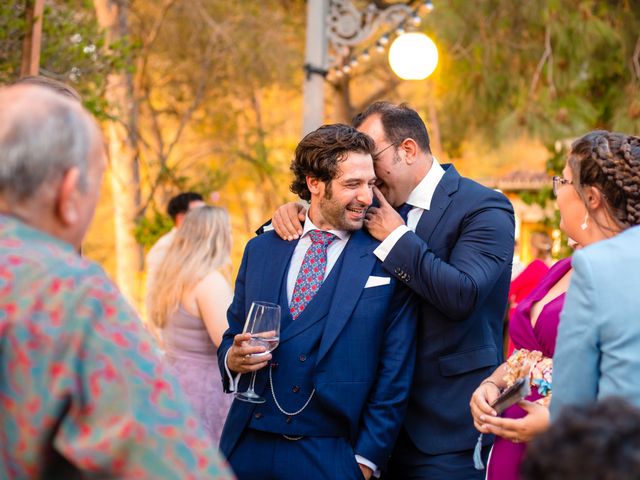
point(367, 463)
point(233, 381)
point(385, 247)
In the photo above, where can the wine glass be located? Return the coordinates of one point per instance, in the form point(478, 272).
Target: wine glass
point(263, 322)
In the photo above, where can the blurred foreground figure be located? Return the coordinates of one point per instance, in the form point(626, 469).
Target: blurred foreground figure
point(595, 442)
point(81, 393)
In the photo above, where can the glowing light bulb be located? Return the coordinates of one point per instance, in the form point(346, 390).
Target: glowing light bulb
point(413, 56)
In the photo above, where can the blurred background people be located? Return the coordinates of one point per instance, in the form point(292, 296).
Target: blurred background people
point(177, 209)
point(188, 309)
point(596, 197)
point(81, 393)
point(598, 352)
point(598, 441)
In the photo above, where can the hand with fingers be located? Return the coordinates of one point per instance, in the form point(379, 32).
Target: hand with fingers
point(241, 358)
point(518, 430)
point(288, 219)
point(382, 220)
point(481, 401)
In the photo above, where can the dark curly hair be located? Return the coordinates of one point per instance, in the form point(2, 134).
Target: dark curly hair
point(319, 153)
point(611, 163)
point(598, 441)
point(399, 122)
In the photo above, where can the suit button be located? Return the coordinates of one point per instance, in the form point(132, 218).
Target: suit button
point(408, 278)
point(397, 271)
point(288, 420)
point(302, 358)
point(258, 415)
point(295, 389)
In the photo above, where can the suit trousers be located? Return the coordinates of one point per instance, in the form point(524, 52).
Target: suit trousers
point(271, 456)
point(409, 463)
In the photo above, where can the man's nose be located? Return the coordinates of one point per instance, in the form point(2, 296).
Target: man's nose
point(365, 195)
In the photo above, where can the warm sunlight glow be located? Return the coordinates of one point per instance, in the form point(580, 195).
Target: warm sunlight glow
point(413, 56)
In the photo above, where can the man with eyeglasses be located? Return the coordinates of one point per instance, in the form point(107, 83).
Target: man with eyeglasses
point(454, 251)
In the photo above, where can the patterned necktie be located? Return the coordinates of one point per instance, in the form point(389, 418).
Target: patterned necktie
point(404, 210)
point(311, 272)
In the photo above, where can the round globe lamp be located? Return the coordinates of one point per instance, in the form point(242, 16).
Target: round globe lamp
point(413, 56)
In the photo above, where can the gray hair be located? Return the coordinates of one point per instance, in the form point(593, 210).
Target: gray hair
point(42, 136)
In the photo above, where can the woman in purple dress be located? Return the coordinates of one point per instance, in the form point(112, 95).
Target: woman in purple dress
point(188, 311)
point(532, 328)
point(590, 196)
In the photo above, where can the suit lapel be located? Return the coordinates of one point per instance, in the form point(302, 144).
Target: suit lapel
point(275, 264)
point(447, 186)
point(357, 265)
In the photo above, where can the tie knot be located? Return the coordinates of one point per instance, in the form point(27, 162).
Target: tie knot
point(404, 209)
point(321, 237)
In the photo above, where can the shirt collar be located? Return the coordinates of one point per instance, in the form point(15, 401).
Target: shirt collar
point(18, 227)
point(423, 193)
point(309, 225)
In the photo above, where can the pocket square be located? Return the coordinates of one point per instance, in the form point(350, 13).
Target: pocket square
point(374, 281)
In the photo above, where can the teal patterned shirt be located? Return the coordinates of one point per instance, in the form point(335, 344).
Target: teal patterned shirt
point(82, 391)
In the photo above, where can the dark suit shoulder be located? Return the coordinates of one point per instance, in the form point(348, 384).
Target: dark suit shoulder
point(478, 196)
point(266, 238)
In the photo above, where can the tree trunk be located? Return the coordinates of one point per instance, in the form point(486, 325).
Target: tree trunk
point(123, 154)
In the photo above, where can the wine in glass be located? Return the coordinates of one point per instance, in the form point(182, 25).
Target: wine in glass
point(263, 322)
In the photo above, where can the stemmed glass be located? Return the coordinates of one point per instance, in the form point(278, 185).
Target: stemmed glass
point(263, 322)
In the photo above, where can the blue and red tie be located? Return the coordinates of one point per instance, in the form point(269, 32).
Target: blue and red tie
point(311, 272)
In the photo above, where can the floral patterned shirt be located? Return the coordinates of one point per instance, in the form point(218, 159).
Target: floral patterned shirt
point(82, 391)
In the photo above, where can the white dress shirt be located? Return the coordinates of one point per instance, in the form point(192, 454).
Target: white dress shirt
point(420, 199)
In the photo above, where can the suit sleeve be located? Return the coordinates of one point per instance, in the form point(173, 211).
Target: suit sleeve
point(577, 356)
point(235, 317)
point(483, 250)
point(386, 406)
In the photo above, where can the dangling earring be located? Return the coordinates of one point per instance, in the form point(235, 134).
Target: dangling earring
point(584, 225)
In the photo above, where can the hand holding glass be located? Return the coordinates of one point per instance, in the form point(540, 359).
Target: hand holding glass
point(263, 322)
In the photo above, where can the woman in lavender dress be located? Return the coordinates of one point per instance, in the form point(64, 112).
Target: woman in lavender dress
point(592, 199)
point(188, 310)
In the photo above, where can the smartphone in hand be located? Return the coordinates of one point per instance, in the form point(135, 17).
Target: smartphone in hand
point(512, 395)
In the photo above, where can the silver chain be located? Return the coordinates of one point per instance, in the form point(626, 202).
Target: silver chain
point(282, 410)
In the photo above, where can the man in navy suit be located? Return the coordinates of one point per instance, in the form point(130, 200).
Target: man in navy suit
point(337, 385)
point(455, 252)
point(450, 240)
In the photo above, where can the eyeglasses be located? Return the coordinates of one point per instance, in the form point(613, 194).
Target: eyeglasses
point(375, 156)
point(559, 182)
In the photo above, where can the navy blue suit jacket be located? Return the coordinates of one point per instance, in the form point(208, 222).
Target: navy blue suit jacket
point(366, 356)
point(458, 262)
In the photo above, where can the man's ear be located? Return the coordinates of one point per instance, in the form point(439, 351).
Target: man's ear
point(314, 184)
point(67, 198)
point(410, 148)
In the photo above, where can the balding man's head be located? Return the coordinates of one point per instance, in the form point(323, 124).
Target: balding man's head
point(50, 147)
